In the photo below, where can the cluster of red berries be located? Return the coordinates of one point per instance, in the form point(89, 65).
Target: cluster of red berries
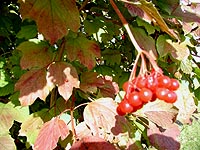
point(148, 88)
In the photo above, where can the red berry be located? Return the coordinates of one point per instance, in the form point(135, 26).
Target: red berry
point(161, 93)
point(119, 111)
point(134, 99)
point(141, 82)
point(171, 97)
point(174, 85)
point(152, 83)
point(164, 82)
point(145, 95)
point(125, 107)
point(127, 86)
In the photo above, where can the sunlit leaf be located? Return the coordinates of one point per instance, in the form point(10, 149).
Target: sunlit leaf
point(9, 113)
point(186, 66)
point(32, 125)
point(82, 49)
point(82, 130)
point(7, 142)
point(50, 133)
point(35, 55)
point(92, 143)
point(161, 113)
point(64, 76)
point(53, 18)
point(164, 139)
point(33, 85)
point(185, 103)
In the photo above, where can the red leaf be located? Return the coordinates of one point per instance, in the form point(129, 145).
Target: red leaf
point(64, 76)
point(35, 55)
point(92, 143)
point(50, 133)
point(105, 84)
point(82, 49)
point(166, 139)
point(33, 84)
point(53, 18)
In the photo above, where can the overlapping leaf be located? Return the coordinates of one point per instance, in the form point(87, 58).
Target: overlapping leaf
point(53, 18)
point(161, 113)
point(164, 139)
point(64, 76)
point(33, 85)
point(50, 133)
point(9, 113)
point(152, 14)
point(35, 55)
point(185, 103)
point(82, 49)
point(32, 125)
point(92, 143)
point(107, 87)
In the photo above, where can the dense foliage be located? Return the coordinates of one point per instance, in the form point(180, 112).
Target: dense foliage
point(100, 74)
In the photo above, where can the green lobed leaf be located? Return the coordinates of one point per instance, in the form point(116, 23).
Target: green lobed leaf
point(6, 90)
point(111, 57)
point(53, 18)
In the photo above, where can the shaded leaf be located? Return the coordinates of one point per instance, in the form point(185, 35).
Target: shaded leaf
point(107, 87)
point(153, 15)
point(64, 76)
point(50, 133)
point(161, 113)
point(27, 32)
point(82, 49)
point(164, 139)
point(111, 57)
point(33, 85)
point(53, 18)
point(185, 103)
point(35, 55)
point(145, 42)
point(92, 143)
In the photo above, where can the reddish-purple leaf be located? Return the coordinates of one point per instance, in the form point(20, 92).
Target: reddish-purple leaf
point(82, 49)
point(107, 87)
point(53, 18)
point(164, 139)
point(35, 55)
point(64, 76)
point(33, 85)
point(92, 143)
point(50, 133)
